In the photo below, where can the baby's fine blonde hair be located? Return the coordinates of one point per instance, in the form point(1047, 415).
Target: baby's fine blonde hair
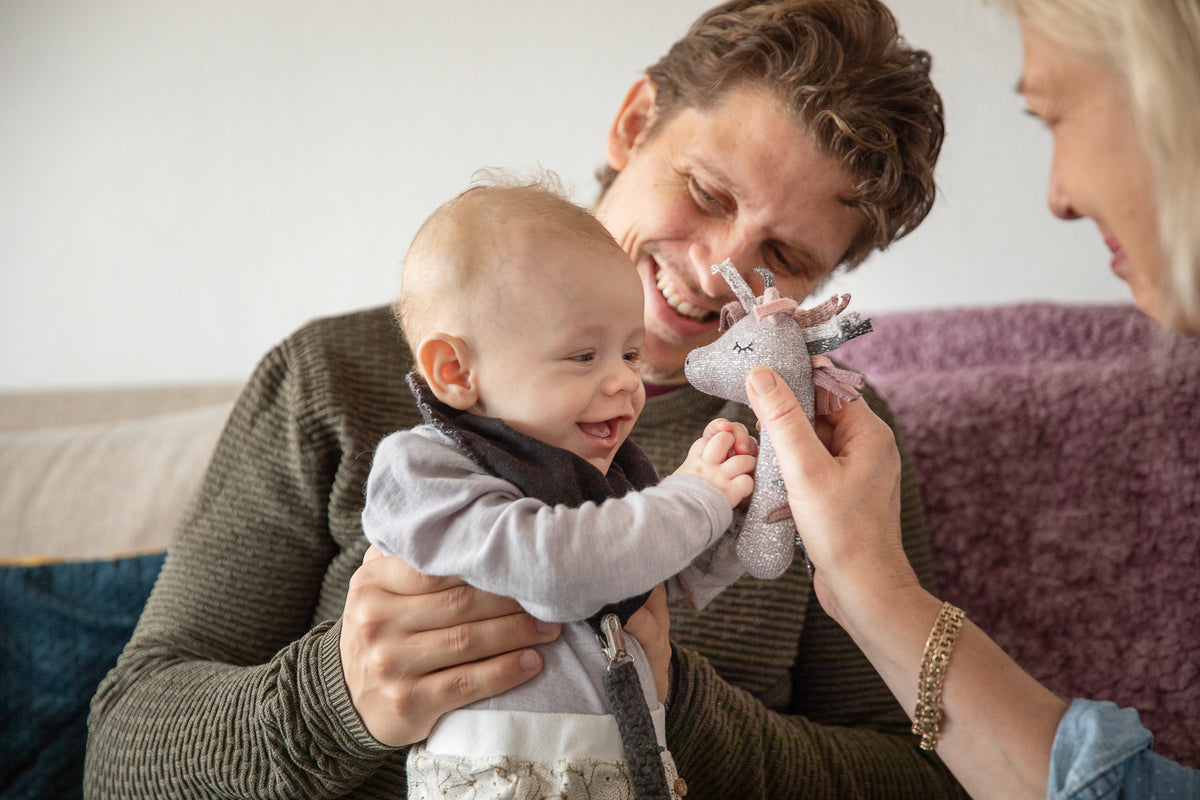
point(1155, 44)
point(459, 244)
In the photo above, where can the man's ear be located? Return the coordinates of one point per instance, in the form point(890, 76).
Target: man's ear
point(443, 360)
point(633, 120)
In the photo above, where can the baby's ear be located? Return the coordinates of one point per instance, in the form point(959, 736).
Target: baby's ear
point(443, 360)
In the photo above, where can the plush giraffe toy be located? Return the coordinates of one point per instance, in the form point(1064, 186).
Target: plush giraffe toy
point(775, 332)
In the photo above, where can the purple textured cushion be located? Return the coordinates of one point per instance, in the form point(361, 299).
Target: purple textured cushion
point(1059, 453)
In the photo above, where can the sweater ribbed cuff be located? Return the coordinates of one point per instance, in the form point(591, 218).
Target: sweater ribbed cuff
point(333, 697)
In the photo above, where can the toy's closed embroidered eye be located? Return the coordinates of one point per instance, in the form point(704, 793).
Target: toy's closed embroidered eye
point(738, 347)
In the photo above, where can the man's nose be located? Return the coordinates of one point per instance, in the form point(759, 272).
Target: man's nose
point(738, 249)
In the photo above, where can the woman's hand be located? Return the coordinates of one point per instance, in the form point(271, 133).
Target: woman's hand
point(651, 626)
point(843, 482)
point(414, 646)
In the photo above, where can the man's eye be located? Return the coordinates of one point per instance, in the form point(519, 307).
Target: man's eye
point(705, 198)
point(791, 264)
point(780, 258)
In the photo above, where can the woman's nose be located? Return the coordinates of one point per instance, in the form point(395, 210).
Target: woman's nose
point(1057, 198)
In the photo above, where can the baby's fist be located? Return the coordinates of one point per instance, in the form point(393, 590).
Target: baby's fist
point(715, 458)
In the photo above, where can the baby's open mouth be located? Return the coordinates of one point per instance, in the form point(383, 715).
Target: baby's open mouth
point(601, 430)
point(682, 307)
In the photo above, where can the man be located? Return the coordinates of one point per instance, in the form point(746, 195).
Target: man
point(274, 659)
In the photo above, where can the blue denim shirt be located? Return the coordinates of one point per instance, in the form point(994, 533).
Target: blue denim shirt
point(1102, 752)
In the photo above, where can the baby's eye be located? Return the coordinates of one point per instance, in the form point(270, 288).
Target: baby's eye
point(584, 358)
point(738, 347)
point(633, 356)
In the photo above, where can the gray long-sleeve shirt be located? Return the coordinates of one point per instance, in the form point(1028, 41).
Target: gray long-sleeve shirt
point(445, 515)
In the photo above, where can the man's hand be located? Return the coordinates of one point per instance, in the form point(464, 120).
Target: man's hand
point(414, 647)
point(651, 626)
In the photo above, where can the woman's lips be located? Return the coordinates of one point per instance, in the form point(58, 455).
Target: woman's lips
point(1120, 261)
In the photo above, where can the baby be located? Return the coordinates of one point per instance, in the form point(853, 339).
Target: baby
point(525, 320)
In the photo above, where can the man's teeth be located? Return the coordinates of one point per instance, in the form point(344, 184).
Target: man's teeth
point(681, 306)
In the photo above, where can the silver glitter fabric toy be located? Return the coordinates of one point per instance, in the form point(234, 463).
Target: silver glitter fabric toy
point(775, 332)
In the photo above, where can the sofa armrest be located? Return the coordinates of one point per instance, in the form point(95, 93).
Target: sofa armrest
point(79, 491)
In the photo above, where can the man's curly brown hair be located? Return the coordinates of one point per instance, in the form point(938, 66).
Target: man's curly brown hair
point(844, 73)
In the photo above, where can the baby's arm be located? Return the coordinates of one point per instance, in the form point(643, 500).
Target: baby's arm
point(725, 457)
point(430, 504)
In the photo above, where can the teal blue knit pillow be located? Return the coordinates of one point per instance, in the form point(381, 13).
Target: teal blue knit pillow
point(62, 626)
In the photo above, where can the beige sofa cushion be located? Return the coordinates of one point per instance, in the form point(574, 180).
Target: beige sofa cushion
point(99, 489)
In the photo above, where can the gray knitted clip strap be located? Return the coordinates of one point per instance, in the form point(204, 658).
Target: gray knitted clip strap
point(643, 754)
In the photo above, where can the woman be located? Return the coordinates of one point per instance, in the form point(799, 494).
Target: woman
point(1117, 82)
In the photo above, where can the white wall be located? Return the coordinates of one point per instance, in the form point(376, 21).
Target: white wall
point(181, 184)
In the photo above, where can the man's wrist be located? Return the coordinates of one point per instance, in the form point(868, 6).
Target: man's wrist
point(671, 671)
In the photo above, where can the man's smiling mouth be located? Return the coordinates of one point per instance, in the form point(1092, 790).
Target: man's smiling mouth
point(681, 306)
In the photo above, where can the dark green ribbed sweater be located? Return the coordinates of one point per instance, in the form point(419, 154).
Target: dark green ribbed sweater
point(232, 686)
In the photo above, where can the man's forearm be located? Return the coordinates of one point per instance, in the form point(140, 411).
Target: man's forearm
point(728, 744)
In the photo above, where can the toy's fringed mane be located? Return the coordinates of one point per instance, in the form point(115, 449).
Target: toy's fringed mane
point(774, 331)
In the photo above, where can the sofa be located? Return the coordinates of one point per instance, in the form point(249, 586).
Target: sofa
point(1057, 448)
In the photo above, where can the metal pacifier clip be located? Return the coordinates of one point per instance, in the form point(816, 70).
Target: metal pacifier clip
point(643, 754)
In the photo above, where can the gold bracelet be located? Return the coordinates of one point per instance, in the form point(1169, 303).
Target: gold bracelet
point(927, 719)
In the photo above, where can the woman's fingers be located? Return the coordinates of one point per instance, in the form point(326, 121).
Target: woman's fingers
point(843, 484)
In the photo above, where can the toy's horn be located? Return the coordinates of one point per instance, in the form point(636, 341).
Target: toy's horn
point(740, 288)
point(767, 276)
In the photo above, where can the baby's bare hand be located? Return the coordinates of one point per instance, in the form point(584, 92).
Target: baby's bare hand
point(716, 459)
point(743, 442)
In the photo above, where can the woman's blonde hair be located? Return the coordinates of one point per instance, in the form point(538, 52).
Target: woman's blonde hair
point(1155, 44)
